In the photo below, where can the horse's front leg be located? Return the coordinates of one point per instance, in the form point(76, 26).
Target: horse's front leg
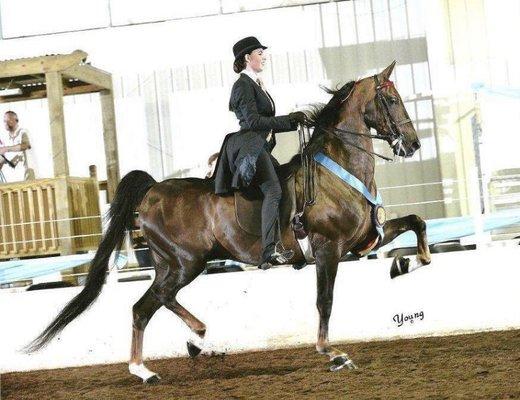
point(326, 268)
point(394, 228)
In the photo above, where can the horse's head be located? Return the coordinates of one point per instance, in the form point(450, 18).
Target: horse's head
point(384, 111)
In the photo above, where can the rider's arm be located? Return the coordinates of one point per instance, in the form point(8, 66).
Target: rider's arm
point(256, 122)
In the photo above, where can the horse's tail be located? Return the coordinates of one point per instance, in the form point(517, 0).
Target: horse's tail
point(129, 194)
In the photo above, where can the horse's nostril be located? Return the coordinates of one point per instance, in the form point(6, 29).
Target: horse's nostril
point(416, 145)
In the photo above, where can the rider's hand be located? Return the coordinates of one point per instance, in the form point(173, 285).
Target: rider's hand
point(298, 117)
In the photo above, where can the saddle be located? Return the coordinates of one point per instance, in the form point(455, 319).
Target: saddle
point(248, 203)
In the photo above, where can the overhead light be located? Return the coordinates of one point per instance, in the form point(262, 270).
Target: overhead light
point(10, 92)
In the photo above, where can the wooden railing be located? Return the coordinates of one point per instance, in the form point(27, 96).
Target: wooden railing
point(49, 216)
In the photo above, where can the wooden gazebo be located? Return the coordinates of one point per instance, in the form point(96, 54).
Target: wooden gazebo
point(53, 77)
point(62, 200)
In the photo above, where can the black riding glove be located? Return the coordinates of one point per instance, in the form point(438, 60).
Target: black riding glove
point(297, 117)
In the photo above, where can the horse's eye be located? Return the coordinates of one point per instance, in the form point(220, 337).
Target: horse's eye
point(393, 100)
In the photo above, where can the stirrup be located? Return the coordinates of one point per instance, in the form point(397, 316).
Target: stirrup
point(281, 254)
point(277, 257)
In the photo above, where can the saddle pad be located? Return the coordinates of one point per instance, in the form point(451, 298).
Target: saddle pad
point(248, 208)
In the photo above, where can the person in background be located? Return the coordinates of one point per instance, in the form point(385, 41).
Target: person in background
point(15, 151)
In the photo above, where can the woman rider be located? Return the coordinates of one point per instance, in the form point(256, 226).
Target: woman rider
point(247, 154)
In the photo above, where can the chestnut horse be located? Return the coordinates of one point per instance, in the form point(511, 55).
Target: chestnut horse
point(186, 224)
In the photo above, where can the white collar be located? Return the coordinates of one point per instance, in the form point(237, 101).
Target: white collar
point(16, 133)
point(252, 74)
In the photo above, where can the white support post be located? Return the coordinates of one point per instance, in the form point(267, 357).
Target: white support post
point(475, 207)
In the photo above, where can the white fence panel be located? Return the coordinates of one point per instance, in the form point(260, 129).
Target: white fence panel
point(460, 292)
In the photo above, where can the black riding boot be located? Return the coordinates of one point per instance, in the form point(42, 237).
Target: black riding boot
point(273, 251)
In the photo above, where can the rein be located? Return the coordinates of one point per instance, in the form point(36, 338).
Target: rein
point(338, 130)
point(309, 167)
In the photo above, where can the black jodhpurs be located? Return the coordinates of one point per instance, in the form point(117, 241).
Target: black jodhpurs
point(269, 184)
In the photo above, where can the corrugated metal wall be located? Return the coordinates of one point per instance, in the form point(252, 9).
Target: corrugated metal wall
point(171, 114)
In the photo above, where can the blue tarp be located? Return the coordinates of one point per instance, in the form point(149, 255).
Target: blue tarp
point(443, 229)
point(17, 270)
point(505, 91)
point(438, 230)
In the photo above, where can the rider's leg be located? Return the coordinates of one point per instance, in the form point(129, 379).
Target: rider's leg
point(270, 187)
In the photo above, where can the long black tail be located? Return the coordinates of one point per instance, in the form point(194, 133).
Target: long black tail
point(129, 194)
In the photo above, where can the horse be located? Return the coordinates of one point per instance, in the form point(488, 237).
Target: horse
point(186, 224)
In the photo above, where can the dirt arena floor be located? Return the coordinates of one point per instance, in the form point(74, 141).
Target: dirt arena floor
point(477, 366)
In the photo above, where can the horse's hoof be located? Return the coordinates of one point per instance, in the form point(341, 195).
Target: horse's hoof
point(193, 350)
point(153, 380)
point(399, 267)
point(340, 362)
point(265, 266)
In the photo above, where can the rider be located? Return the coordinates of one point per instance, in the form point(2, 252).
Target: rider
point(247, 154)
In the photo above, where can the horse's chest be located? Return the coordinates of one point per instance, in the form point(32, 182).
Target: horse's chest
point(351, 218)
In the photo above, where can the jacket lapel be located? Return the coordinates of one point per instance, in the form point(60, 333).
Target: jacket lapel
point(260, 90)
point(272, 102)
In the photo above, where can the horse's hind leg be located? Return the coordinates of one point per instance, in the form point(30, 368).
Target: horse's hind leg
point(394, 228)
point(183, 277)
point(197, 327)
point(143, 311)
point(170, 278)
point(180, 274)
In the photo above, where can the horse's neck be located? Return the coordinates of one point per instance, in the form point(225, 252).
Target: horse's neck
point(359, 163)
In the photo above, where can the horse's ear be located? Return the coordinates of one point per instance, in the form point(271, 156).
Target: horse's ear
point(387, 71)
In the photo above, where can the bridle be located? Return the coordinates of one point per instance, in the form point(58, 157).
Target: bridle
point(395, 138)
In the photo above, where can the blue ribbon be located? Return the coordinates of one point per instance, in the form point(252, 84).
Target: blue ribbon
point(348, 178)
point(352, 181)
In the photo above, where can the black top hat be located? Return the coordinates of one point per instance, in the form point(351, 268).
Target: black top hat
point(246, 45)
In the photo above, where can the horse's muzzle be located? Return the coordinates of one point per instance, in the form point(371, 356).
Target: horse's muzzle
point(404, 149)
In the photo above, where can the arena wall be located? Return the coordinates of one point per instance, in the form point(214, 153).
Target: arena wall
point(458, 293)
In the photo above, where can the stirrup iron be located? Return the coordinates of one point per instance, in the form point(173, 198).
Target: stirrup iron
point(281, 254)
